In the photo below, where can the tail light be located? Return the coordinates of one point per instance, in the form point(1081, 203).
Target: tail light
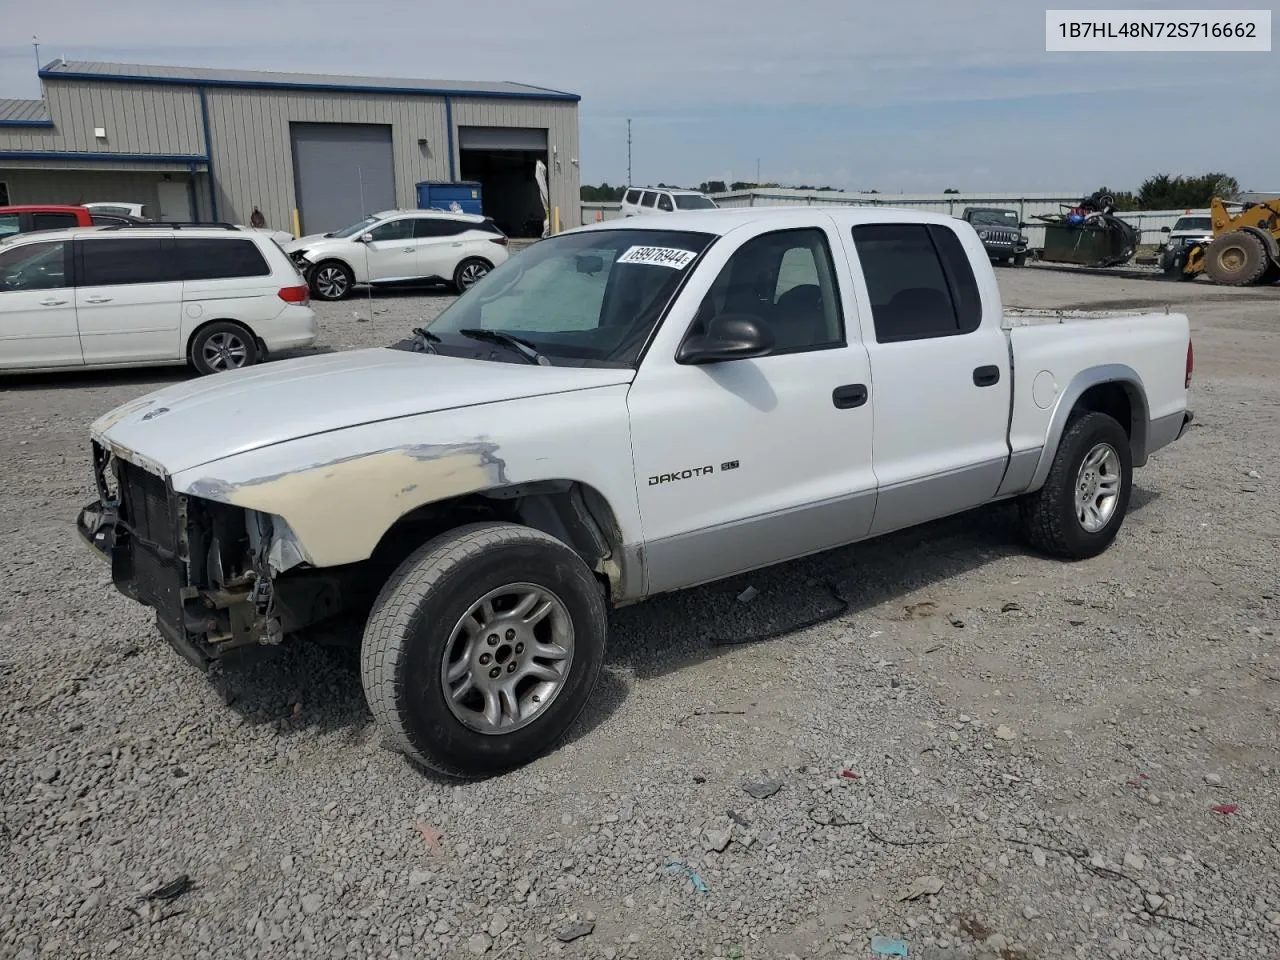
point(500, 241)
point(299, 294)
point(1191, 364)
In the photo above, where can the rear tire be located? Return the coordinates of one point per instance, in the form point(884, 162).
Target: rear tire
point(1236, 259)
point(221, 346)
point(1080, 508)
point(470, 272)
point(330, 280)
point(431, 647)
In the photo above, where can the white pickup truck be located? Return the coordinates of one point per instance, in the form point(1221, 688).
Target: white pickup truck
point(619, 411)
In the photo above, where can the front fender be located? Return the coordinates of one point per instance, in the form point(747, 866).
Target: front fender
point(340, 491)
point(338, 509)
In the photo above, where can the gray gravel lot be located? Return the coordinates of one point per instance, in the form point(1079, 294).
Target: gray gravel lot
point(1039, 744)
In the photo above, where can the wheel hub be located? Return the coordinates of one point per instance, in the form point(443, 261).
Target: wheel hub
point(1098, 487)
point(507, 658)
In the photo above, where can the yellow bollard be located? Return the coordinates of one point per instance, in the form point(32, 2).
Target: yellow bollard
point(555, 219)
point(297, 225)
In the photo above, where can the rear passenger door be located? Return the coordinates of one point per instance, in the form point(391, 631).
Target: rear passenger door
point(940, 374)
point(439, 246)
point(223, 279)
point(128, 299)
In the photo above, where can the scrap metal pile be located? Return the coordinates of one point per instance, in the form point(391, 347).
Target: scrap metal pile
point(1088, 234)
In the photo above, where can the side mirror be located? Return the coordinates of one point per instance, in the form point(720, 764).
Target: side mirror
point(366, 238)
point(730, 336)
point(1023, 225)
point(1165, 230)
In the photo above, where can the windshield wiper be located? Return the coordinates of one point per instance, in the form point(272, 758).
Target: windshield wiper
point(520, 345)
point(425, 339)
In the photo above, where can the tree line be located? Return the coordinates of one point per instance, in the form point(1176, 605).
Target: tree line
point(1161, 191)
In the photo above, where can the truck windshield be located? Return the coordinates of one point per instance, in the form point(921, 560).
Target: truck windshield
point(995, 218)
point(588, 298)
point(1194, 223)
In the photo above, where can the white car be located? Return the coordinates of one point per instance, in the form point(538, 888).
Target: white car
point(119, 208)
point(94, 297)
point(620, 411)
point(400, 247)
point(638, 200)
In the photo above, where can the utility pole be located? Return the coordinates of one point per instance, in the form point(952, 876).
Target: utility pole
point(757, 171)
point(35, 42)
point(628, 151)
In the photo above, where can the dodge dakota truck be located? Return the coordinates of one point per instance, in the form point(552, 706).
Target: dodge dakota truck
point(619, 411)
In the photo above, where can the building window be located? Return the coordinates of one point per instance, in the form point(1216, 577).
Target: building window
point(4, 194)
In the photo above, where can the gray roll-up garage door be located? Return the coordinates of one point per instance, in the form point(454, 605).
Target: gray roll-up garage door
point(502, 138)
point(343, 171)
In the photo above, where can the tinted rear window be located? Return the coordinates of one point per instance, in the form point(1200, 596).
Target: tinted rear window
point(218, 259)
point(633, 196)
point(124, 260)
point(53, 221)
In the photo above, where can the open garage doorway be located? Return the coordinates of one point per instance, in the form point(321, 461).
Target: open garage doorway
point(503, 160)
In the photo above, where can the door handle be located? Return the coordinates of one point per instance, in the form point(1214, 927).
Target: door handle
point(456, 244)
point(986, 376)
point(98, 299)
point(849, 396)
point(52, 303)
point(408, 249)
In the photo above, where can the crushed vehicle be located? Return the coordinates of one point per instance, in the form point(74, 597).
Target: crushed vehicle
point(622, 410)
point(1000, 231)
point(1089, 234)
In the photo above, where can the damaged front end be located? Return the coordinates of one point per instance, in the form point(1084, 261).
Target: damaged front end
point(218, 576)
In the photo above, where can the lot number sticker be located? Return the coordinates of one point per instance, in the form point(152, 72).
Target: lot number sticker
point(672, 257)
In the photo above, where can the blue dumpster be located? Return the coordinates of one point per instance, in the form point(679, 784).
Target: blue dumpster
point(441, 195)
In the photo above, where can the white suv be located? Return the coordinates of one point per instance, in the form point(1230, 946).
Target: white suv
point(639, 200)
point(400, 247)
point(93, 297)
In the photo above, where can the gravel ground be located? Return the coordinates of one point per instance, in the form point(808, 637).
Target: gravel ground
point(1034, 750)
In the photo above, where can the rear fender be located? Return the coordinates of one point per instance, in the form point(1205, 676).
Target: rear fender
point(1117, 373)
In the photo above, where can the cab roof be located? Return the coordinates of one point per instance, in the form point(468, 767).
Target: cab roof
point(724, 220)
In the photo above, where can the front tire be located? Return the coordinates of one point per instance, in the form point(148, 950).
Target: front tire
point(331, 280)
point(1020, 260)
point(222, 346)
point(483, 648)
point(1236, 259)
point(1079, 510)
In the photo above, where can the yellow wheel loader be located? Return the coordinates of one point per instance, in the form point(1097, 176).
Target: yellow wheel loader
point(1245, 249)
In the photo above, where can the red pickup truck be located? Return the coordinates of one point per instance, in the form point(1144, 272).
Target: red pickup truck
point(42, 217)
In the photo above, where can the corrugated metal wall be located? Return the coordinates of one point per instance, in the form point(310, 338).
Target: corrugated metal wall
point(249, 130)
point(83, 186)
point(252, 154)
point(560, 118)
point(137, 119)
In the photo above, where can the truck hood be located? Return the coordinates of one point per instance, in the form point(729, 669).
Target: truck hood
point(203, 420)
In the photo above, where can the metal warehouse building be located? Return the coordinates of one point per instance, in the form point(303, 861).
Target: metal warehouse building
point(196, 144)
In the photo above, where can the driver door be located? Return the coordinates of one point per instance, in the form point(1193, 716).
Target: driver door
point(743, 463)
point(38, 307)
point(392, 254)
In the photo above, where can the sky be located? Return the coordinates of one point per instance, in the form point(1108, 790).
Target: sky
point(902, 96)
